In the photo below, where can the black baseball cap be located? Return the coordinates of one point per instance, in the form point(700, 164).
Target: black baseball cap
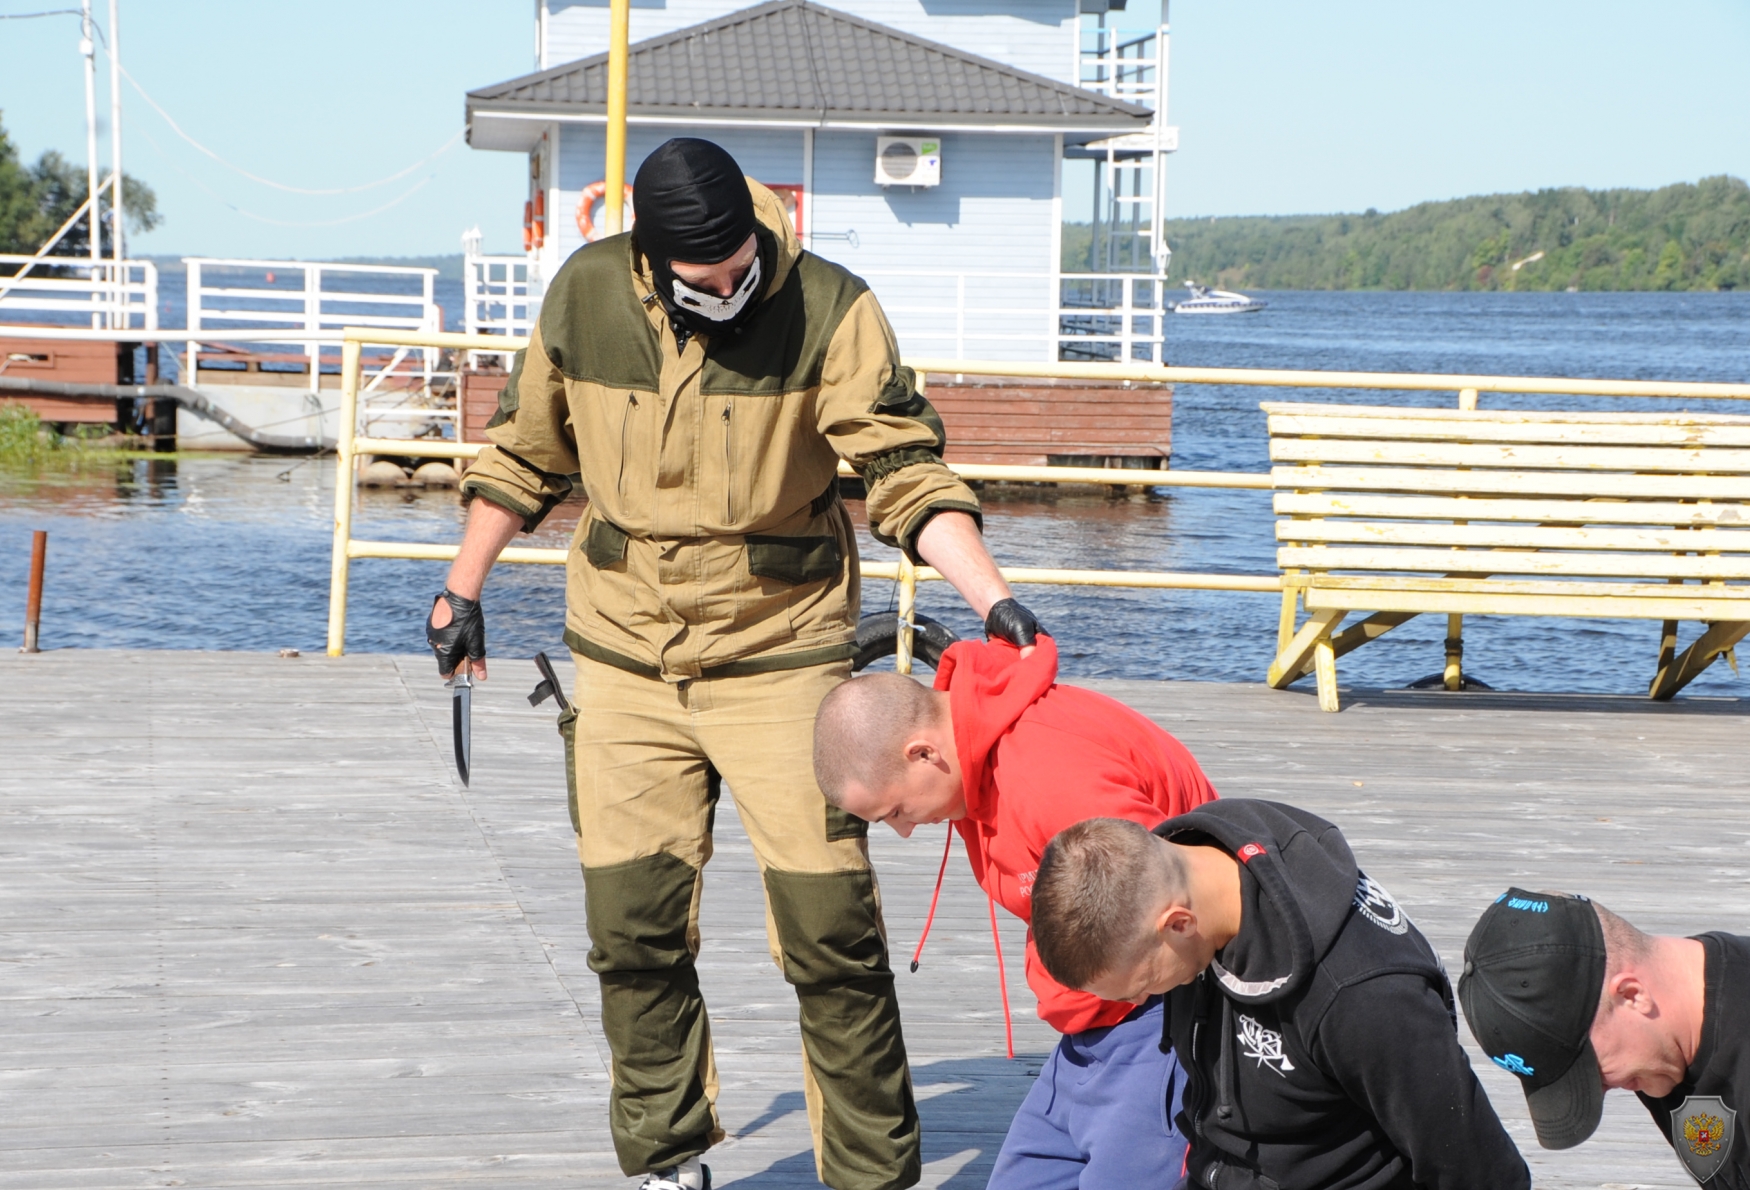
point(1533, 975)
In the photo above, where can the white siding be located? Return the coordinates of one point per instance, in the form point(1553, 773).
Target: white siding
point(770, 155)
point(1035, 35)
point(993, 213)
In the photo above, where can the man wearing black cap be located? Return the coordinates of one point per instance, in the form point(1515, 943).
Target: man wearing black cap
point(701, 378)
point(1573, 999)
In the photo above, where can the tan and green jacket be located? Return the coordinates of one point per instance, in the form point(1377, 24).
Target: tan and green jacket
point(714, 542)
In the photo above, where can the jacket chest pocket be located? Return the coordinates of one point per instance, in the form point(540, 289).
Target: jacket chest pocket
point(750, 444)
point(631, 419)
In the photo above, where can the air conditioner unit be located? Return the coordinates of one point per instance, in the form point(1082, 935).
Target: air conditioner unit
point(908, 161)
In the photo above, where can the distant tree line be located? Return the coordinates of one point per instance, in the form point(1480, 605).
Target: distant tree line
point(1683, 237)
point(36, 199)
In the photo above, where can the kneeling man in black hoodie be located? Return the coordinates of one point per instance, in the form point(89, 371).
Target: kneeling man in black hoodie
point(1315, 1022)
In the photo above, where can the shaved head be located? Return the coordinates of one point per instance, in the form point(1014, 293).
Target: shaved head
point(861, 730)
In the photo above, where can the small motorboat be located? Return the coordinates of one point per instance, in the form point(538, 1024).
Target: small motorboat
point(1204, 300)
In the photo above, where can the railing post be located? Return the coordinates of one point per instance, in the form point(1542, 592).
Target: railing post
point(343, 495)
point(1467, 398)
point(193, 318)
point(1126, 303)
point(908, 602)
point(313, 322)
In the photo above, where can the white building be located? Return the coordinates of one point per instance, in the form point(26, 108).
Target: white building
point(997, 92)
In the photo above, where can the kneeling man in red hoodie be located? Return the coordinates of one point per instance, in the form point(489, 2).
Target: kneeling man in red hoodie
point(1011, 757)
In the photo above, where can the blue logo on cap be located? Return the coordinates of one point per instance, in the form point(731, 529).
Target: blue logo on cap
point(1514, 1064)
point(1527, 906)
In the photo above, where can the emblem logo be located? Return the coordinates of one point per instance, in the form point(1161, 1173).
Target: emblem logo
point(1250, 852)
point(1377, 906)
point(1513, 1064)
point(1263, 1046)
point(1702, 1132)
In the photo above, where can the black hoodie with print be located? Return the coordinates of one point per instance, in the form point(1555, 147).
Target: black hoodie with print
point(1321, 1044)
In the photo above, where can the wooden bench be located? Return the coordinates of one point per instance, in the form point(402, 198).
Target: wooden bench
point(1400, 512)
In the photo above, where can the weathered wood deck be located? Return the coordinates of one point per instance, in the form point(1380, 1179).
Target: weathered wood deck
point(253, 933)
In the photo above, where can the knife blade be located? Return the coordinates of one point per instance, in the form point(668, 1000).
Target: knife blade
point(461, 708)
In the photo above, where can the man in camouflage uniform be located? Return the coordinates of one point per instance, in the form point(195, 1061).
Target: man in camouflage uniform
point(701, 377)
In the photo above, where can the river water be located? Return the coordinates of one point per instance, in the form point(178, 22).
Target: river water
point(232, 552)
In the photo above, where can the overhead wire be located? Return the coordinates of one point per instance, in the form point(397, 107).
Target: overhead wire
point(177, 128)
point(394, 177)
point(248, 214)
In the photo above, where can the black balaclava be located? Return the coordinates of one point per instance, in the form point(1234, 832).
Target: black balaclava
point(692, 204)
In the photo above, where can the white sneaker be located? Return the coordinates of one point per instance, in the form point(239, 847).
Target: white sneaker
point(691, 1174)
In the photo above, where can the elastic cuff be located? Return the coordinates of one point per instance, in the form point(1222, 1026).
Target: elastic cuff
point(532, 515)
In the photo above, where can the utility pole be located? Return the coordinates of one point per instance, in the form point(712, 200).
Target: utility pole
point(118, 315)
point(88, 48)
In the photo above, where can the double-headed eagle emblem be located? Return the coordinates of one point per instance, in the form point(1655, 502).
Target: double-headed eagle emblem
point(1702, 1131)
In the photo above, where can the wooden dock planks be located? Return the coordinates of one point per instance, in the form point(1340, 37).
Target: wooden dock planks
point(253, 933)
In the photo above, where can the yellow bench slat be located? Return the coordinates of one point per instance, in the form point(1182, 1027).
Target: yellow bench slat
point(1505, 602)
point(1612, 512)
point(1511, 562)
point(1694, 592)
point(1460, 454)
point(1512, 483)
point(1385, 413)
point(1514, 537)
point(1521, 431)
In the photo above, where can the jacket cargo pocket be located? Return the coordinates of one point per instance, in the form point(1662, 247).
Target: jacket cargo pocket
point(605, 543)
point(568, 733)
point(794, 560)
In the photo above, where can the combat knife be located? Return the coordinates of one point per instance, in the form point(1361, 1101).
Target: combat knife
point(461, 706)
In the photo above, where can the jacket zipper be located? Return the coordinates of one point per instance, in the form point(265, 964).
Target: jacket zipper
point(728, 470)
point(625, 429)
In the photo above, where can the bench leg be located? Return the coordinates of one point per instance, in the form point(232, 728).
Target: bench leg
point(1285, 620)
point(1291, 661)
point(1454, 674)
point(1683, 669)
point(1325, 665)
point(1356, 635)
point(1667, 647)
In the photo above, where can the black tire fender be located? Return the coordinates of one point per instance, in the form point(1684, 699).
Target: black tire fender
point(878, 637)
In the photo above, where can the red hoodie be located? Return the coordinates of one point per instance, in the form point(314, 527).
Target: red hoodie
point(1037, 757)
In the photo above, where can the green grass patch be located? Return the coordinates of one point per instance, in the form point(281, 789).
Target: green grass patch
point(24, 438)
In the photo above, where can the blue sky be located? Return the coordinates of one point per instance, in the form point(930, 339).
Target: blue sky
point(1284, 107)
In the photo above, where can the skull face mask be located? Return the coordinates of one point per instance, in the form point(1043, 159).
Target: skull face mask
point(719, 310)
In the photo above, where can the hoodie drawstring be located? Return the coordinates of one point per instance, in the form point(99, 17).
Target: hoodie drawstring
point(1002, 977)
point(947, 846)
point(995, 937)
point(1224, 1064)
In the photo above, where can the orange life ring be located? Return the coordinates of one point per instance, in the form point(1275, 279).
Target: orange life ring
point(592, 192)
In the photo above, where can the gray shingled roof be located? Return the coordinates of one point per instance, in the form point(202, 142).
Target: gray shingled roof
point(796, 61)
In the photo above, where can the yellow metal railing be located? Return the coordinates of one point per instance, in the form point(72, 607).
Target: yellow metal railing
point(350, 445)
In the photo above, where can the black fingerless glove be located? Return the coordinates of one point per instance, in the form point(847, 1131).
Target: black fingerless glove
point(463, 636)
point(1009, 621)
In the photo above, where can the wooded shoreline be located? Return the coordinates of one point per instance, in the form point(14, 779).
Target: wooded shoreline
point(1691, 236)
